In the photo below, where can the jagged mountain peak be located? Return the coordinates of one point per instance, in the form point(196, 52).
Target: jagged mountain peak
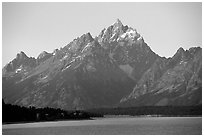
point(17, 64)
point(194, 50)
point(118, 21)
point(118, 24)
point(119, 32)
point(118, 27)
point(42, 54)
point(180, 53)
point(191, 50)
point(21, 55)
point(87, 36)
point(180, 50)
point(186, 54)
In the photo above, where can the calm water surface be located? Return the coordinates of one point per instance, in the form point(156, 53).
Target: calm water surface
point(109, 126)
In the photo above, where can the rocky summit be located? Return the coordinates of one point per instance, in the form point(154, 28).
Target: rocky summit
point(115, 69)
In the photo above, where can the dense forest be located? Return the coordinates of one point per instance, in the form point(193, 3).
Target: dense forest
point(16, 114)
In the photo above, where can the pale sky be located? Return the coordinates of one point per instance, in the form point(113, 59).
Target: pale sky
point(37, 27)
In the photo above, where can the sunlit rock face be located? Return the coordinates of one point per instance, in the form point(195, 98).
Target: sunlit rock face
point(173, 81)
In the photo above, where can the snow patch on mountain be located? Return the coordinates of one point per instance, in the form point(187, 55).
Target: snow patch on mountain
point(19, 69)
point(130, 33)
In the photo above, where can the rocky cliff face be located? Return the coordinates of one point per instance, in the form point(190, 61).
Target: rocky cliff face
point(117, 68)
point(21, 63)
point(173, 81)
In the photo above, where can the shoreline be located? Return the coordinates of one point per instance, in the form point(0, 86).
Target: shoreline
point(98, 118)
point(105, 116)
point(118, 116)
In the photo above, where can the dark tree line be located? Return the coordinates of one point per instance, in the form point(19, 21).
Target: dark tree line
point(152, 110)
point(14, 113)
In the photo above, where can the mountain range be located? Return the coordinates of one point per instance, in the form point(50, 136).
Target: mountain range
point(114, 69)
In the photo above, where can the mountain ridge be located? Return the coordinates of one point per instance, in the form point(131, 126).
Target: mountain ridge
point(116, 68)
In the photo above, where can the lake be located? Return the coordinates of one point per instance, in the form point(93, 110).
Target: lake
point(111, 126)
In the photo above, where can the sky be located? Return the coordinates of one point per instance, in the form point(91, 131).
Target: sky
point(36, 27)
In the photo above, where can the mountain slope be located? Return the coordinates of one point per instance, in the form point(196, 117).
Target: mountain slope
point(174, 81)
point(116, 68)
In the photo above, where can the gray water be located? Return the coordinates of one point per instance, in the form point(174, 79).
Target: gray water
point(112, 126)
